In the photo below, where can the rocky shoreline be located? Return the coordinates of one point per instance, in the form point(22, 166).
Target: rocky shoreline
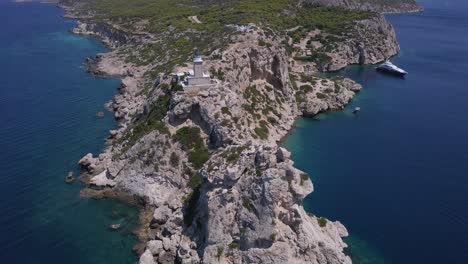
point(244, 203)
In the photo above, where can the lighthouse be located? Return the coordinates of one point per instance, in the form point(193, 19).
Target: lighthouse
point(198, 79)
point(197, 66)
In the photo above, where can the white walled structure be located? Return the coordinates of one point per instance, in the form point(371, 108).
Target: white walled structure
point(198, 79)
point(198, 66)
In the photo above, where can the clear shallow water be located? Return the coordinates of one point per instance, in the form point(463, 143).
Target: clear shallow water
point(396, 174)
point(48, 105)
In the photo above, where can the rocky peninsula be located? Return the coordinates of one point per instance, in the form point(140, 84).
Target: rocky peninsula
point(205, 165)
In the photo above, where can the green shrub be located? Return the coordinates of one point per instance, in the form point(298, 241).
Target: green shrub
point(328, 90)
point(272, 120)
point(219, 253)
point(273, 237)
point(262, 132)
point(304, 58)
point(190, 206)
point(292, 79)
point(234, 245)
point(246, 203)
point(232, 155)
point(304, 177)
point(174, 159)
point(191, 141)
point(225, 110)
point(321, 95)
point(306, 88)
point(152, 121)
point(198, 157)
point(177, 87)
point(322, 221)
point(194, 182)
point(337, 87)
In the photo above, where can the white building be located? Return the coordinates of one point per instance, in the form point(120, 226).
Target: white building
point(197, 78)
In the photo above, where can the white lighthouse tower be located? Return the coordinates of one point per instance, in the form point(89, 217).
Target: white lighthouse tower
point(198, 79)
point(197, 66)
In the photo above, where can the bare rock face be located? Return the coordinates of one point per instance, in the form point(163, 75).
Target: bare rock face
point(250, 212)
point(109, 35)
point(146, 171)
point(255, 86)
point(373, 40)
point(88, 163)
point(147, 258)
point(327, 95)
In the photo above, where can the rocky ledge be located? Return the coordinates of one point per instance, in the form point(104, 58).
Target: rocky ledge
point(206, 163)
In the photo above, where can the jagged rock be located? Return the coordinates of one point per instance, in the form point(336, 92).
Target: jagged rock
point(282, 154)
point(326, 96)
point(102, 180)
point(361, 49)
point(161, 215)
point(88, 163)
point(259, 211)
point(155, 247)
point(147, 258)
point(113, 134)
point(166, 257)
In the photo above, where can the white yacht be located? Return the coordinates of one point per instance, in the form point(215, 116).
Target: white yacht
point(391, 68)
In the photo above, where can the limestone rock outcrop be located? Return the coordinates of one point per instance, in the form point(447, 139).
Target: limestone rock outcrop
point(250, 212)
point(243, 202)
point(370, 41)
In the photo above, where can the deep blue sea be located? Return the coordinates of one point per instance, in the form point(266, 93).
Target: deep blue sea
point(48, 105)
point(396, 174)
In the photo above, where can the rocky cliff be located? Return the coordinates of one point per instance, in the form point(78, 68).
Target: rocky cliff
point(368, 41)
point(244, 203)
point(206, 164)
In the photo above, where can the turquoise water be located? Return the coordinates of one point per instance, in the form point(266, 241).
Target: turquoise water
point(396, 174)
point(48, 105)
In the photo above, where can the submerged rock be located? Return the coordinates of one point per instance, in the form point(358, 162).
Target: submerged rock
point(69, 178)
point(115, 226)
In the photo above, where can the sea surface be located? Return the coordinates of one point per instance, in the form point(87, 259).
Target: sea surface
point(48, 106)
point(396, 174)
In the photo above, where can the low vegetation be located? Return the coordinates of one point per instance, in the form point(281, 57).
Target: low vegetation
point(152, 121)
point(192, 142)
point(177, 36)
point(322, 221)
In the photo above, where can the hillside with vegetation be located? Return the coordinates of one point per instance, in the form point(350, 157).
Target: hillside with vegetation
point(382, 6)
point(176, 36)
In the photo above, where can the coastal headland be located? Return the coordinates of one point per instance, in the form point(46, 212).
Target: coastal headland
point(205, 165)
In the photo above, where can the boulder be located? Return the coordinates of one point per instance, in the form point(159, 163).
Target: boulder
point(101, 181)
point(88, 163)
point(155, 247)
point(147, 258)
point(161, 215)
point(282, 155)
